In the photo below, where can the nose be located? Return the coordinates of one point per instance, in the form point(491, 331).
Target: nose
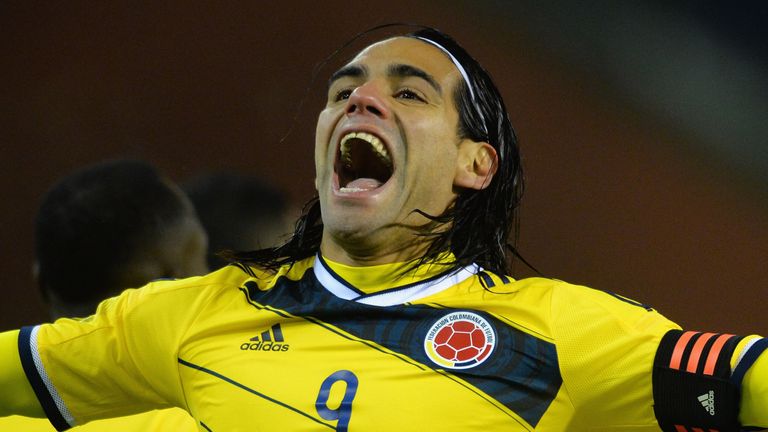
point(367, 99)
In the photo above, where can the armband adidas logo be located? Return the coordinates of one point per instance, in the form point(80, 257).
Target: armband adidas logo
point(269, 340)
point(708, 402)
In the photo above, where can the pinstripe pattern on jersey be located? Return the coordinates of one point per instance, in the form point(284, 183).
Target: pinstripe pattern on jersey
point(252, 391)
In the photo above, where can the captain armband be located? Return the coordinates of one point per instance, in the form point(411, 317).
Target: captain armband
point(693, 389)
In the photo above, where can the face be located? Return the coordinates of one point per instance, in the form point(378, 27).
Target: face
point(178, 252)
point(386, 144)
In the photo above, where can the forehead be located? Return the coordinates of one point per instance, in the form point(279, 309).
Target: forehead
point(408, 51)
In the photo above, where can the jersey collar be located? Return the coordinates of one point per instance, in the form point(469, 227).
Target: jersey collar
point(409, 292)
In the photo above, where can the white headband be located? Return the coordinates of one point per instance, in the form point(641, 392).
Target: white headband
point(463, 74)
point(456, 63)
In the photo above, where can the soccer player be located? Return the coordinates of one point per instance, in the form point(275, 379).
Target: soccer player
point(104, 228)
point(390, 308)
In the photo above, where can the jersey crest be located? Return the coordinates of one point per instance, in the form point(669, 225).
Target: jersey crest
point(460, 340)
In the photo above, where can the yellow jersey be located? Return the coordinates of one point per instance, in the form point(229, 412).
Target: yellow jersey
point(167, 420)
point(305, 349)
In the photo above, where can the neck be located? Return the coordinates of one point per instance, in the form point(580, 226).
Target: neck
point(364, 252)
point(375, 278)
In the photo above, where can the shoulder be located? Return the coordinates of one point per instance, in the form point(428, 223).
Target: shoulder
point(569, 299)
point(564, 308)
point(606, 344)
point(573, 303)
point(172, 301)
point(230, 278)
point(583, 321)
point(167, 293)
point(266, 279)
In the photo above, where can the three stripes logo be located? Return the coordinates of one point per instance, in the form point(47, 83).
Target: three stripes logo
point(708, 402)
point(269, 340)
point(699, 353)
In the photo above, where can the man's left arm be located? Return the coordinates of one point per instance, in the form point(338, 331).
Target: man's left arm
point(750, 367)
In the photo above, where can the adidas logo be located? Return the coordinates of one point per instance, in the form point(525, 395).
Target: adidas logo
point(708, 402)
point(269, 340)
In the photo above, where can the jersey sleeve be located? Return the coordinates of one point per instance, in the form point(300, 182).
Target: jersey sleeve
point(750, 372)
point(172, 420)
point(606, 346)
point(120, 361)
point(17, 396)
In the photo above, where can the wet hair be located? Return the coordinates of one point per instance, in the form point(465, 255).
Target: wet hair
point(480, 222)
point(235, 210)
point(95, 220)
point(480, 226)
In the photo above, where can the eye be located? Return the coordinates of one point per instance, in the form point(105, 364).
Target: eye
point(409, 94)
point(342, 95)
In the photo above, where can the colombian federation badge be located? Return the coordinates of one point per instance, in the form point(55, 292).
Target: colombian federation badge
point(460, 340)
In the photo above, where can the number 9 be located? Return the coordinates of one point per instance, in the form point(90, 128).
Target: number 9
point(344, 411)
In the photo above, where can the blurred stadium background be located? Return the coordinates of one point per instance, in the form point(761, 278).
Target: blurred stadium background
point(643, 124)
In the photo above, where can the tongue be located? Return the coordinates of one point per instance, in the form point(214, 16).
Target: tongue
point(363, 184)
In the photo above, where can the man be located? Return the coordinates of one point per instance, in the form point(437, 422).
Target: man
point(100, 230)
point(389, 308)
point(111, 226)
point(238, 212)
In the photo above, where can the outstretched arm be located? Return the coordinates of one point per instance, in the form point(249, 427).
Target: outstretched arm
point(754, 392)
point(17, 396)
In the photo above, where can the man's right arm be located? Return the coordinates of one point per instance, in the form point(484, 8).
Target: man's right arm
point(17, 396)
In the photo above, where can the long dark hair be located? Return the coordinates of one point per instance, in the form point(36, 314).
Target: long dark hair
point(480, 226)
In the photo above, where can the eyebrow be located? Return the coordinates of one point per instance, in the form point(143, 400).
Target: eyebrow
point(353, 71)
point(395, 70)
point(404, 70)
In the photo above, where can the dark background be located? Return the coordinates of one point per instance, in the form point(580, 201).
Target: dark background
point(643, 128)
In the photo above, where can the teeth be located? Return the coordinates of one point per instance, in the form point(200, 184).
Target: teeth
point(374, 141)
point(350, 189)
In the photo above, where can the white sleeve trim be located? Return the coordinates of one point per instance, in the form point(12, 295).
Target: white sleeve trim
point(60, 405)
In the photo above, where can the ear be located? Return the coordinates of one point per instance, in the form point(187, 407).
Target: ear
point(39, 282)
point(476, 165)
point(36, 271)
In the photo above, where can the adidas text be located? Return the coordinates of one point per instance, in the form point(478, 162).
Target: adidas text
point(264, 346)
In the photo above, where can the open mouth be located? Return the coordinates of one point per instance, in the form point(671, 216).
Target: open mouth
point(363, 162)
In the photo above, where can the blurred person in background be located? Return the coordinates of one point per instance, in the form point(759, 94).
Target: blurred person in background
point(100, 230)
point(239, 213)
